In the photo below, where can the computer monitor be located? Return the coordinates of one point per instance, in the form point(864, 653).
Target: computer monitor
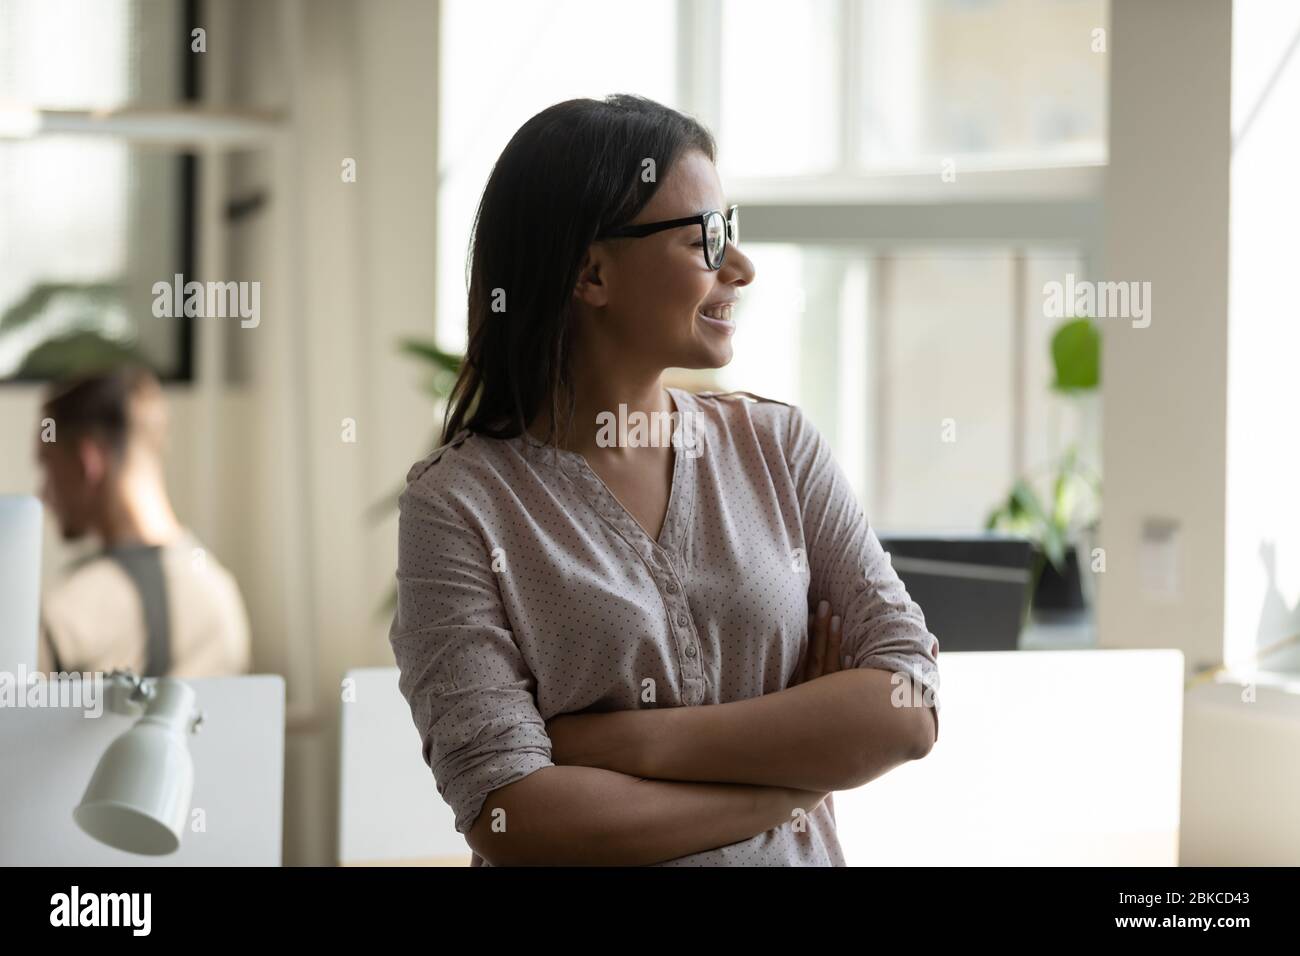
point(972, 588)
point(20, 581)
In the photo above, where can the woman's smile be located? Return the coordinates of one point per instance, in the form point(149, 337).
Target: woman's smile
point(719, 317)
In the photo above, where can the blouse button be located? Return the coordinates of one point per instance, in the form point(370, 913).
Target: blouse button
point(672, 587)
point(690, 650)
point(681, 619)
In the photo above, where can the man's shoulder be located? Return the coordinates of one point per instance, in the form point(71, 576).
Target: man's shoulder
point(89, 575)
point(188, 554)
point(93, 594)
point(210, 593)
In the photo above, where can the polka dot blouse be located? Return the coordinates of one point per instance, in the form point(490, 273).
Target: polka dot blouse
point(526, 590)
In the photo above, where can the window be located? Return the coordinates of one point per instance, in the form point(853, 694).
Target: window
point(90, 224)
point(866, 86)
point(927, 369)
point(989, 82)
point(772, 64)
point(551, 52)
point(912, 174)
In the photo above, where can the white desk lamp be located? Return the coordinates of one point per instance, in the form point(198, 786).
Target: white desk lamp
point(139, 796)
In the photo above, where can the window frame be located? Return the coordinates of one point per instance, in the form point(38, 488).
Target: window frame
point(32, 122)
point(992, 202)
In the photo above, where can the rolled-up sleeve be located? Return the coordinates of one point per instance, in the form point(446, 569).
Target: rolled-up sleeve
point(472, 697)
point(882, 627)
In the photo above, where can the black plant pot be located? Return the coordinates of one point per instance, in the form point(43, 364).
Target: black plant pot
point(1059, 590)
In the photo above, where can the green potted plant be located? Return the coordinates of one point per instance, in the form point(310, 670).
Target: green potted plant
point(1056, 523)
point(74, 335)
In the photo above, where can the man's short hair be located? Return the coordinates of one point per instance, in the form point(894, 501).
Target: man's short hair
point(120, 407)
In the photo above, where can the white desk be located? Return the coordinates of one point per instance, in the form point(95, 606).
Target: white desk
point(48, 756)
point(1241, 778)
point(1049, 757)
point(1043, 758)
point(390, 812)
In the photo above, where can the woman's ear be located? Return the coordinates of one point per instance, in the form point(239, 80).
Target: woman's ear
point(591, 288)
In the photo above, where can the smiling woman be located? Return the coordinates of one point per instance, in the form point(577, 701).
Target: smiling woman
point(624, 272)
point(546, 575)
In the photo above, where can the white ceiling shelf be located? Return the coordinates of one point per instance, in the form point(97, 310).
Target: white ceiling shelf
point(973, 182)
point(194, 126)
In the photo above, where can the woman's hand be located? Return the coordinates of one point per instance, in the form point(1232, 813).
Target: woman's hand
point(824, 651)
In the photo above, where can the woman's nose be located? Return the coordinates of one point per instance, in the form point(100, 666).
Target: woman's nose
point(738, 269)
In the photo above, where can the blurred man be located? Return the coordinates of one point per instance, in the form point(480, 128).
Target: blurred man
point(154, 601)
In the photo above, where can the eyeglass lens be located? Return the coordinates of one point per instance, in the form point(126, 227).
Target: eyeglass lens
point(715, 238)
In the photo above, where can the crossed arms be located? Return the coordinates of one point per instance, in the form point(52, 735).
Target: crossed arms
point(642, 786)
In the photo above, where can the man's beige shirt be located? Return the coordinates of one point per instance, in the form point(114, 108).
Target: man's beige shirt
point(95, 620)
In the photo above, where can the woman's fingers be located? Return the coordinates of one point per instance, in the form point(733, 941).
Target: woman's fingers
point(824, 653)
point(802, 669)
point(817, 643)
point(834, 646)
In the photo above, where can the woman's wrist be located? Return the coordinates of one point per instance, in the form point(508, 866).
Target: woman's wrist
point(620, 741)
point(631, 737)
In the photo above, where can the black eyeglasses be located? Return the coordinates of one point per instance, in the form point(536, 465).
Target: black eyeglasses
point(716, 229)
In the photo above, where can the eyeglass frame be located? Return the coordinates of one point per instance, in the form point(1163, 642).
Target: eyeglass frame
point(643, 229)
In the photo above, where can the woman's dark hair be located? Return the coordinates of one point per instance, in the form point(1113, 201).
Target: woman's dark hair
point(571, 171)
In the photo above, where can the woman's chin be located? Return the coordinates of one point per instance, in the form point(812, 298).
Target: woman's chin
point(712, 350)
point(712, 355)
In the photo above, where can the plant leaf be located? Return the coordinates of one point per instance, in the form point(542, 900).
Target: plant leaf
point(78, 352)
point(41, 294)
point(429, 352)
point(1076, 356)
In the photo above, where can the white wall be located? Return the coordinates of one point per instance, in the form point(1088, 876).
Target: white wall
point(1164, 387)
point(364, 262)
point(1199, 407)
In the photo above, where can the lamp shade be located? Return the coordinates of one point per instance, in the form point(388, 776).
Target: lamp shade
point(139, 796)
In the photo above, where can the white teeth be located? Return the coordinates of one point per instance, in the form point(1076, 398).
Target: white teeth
point(722, 312)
